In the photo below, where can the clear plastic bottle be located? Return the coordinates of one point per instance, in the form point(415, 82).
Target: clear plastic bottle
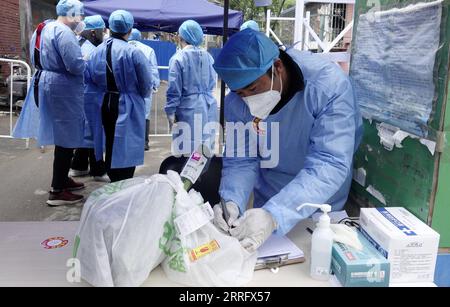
point(321, 244)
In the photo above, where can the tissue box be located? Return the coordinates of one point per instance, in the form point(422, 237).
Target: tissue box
point(409, 244)
point(354, 268)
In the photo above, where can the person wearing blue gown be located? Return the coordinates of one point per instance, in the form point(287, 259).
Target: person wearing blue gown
point(118, 80)
point(135, 40)
point(304, 108)
point(53, 110)
point(84, 161)
point(190, 101)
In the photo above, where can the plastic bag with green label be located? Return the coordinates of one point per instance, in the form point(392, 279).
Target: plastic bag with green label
point(197, 253)
point(118, 238)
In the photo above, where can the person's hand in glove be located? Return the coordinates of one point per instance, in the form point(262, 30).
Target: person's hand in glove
point(171, 119)
point(219, 220)
point(253, 228)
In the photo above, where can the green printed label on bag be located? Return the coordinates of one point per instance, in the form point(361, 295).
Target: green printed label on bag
point(170, 244)
point(75, 246)
point(108, 189)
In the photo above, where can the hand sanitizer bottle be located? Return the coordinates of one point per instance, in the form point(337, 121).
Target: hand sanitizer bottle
point(321, 244)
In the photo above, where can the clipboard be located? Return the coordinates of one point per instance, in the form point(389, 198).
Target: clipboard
point(278, 251)
point(275, 262)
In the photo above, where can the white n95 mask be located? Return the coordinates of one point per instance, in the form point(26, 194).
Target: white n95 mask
point(262, 104)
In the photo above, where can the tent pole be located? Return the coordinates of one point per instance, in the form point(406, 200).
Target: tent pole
point(226, 7)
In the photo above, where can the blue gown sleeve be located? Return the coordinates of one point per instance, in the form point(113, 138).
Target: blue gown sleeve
point(70, 52)
point(212, 73)
point(240, 170)
point(175, 87)
point(155, 73)
point(328, 161)
point(143, 73)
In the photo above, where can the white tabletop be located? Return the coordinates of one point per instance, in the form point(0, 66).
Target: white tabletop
point(25, 262)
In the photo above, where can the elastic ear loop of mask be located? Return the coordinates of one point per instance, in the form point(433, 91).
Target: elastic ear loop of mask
point(257, 120)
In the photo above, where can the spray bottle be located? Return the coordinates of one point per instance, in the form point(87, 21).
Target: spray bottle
point(321, 244)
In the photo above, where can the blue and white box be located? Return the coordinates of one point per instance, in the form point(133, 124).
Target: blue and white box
point(409, 244)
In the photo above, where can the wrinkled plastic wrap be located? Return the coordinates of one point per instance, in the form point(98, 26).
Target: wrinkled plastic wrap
point(393, 61)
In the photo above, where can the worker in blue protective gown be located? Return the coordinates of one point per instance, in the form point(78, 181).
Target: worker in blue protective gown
point(304, 105)
point(84, 161)
point(54, 105)
point(92, 36)
point(149, 53)
point(118, 80)
point(190, 100)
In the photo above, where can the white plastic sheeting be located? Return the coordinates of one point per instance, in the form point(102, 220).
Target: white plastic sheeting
point(393, 64)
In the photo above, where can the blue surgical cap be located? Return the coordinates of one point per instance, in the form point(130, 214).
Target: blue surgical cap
point(70, 8)
point(94, 22)
point(250, 24)
point(135, 35)
point(244, 58)
point(121, 21)
point(191, 32)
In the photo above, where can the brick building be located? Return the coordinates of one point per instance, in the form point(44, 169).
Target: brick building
point(19, 19)
point(10, 39)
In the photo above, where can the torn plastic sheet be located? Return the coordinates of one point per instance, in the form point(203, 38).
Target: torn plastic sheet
point(393, 65)
point(377, 194)
point(391, 137)
point(359, 175)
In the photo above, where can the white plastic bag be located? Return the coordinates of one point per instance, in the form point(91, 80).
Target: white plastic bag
point(205, 256)
point(118, 238)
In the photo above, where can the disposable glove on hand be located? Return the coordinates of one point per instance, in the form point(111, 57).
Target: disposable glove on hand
point(219, 221)
point(253, 228)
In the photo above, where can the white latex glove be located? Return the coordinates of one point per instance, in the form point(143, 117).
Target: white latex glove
point(253, 228)
point(219, 220)
point(346, 235)
point(171, 119)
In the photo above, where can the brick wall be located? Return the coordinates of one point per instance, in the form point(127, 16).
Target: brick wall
point(10, 44)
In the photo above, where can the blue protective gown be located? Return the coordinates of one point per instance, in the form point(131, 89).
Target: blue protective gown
point(320, 128)
point(86, 49)
point(151, 57)
point(133, 79)
point(190, 91)
point(60, 118)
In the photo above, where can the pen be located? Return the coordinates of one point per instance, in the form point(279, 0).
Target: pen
point(226, 214)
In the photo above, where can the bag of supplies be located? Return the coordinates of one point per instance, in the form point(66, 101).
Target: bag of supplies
point(197, 253)
point(117, 242)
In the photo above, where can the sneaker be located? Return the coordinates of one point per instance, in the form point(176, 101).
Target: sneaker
point(77, 173)
point(63, 198)
point(73, 185)
point(103, 178)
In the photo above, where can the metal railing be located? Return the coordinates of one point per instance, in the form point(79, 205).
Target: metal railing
point(11, 96)
point(303, 24)
point(158, 121)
